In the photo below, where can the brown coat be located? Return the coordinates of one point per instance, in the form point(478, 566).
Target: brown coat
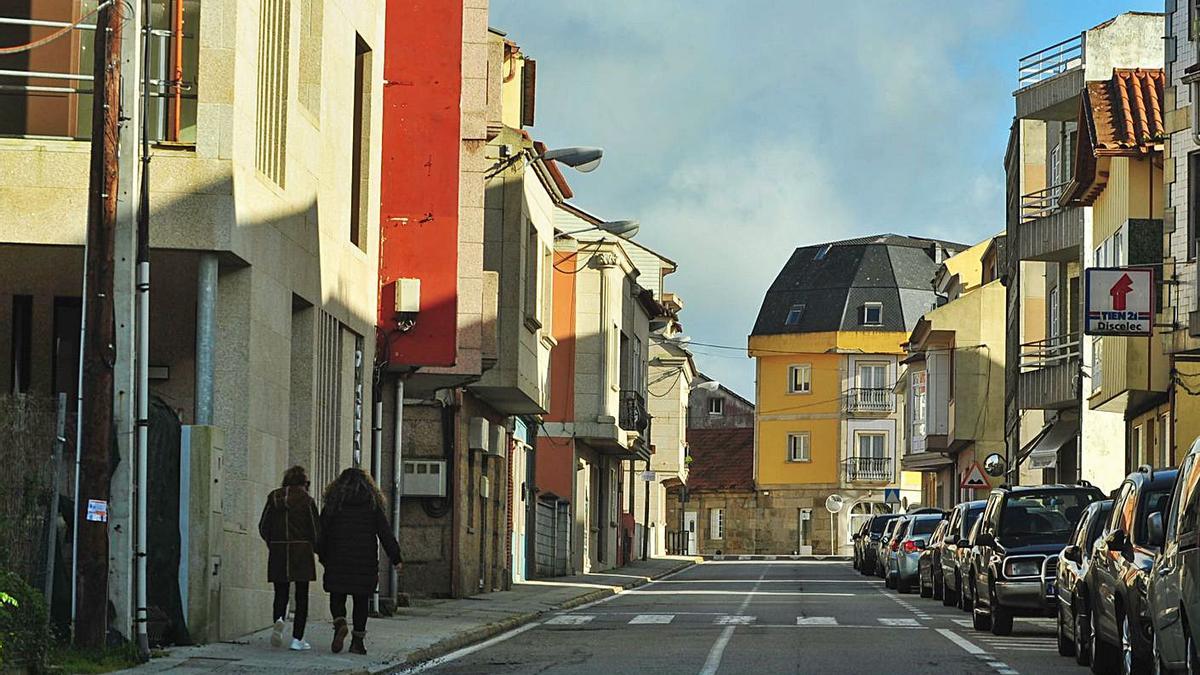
point(290, 526)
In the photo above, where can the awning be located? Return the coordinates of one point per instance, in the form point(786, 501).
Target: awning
point(1044, 454)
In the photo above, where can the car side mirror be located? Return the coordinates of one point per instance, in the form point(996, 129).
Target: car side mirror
point(985, 539)
point(1072, 553)
point(1116, 540)
point(961, 543)
point(921, 543)
point(1154, 529)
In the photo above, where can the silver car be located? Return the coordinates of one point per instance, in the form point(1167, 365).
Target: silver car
point(905, 555)
point(1173, 593)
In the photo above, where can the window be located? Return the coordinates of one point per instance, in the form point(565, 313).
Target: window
point(872, 314)
point(1195, 89)
point(22, 335)
point(1189, 478)
point(918, 388)
point(1056, 173)
point(716, 406)
point(823, 252)
point(794, 315)
point(872, 444)
point(360, 161)
point(800, 379)
point(533, 249)
point(272, 95)
point(1193, 207)
point(872, 376)
point(1135, 447)
point(1164, 439)
point(716, 523)
point(1055, 325)
point(798, 447)
point(1097, 364)
point(1118, 248)
point(547, 301)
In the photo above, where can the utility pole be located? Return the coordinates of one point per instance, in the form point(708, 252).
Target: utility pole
point(99, 352)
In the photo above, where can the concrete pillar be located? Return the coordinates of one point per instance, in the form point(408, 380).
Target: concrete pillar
point(206, 334)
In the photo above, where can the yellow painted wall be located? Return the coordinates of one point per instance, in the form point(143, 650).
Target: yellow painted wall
point(826, 393)
point(867, 342)
point(773, 466)
point(1134, 190)
point(1187, 408)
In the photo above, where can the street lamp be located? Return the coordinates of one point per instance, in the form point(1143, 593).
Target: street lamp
point(624, 229)
point(708, 385)
point(580, 158)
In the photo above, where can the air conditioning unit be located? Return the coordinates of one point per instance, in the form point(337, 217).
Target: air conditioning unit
point(485, 487)
point(423, 478)
point(499, 441)
point(408, 296)
point(477, 434)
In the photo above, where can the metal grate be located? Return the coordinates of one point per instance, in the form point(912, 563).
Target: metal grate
point(1051, 61)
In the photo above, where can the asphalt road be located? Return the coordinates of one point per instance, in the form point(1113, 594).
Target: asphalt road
point(762, 617)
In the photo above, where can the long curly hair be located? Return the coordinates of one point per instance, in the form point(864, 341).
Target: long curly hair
point(351, 483)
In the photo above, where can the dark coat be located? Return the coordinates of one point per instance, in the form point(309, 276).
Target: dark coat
point(348, 549)
point(291, 527)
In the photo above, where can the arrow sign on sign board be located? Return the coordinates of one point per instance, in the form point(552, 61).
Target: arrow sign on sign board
point(1119, 301)
point(1119, 290)
point(974, 478)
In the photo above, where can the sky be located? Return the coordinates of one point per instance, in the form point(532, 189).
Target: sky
point(736, 132)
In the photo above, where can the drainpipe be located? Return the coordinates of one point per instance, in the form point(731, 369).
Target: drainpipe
point(78, 441)
point(206, 329)
point(141, 615)
point(397, 454)
point(376, 454)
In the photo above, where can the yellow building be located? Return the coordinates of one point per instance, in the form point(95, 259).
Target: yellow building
point(1118, 172)
point(827, 344)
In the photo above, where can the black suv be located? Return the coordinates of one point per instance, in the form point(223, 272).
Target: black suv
point(869, 543)
point(1015, 554)
point(956, 550)
point(1120, 573)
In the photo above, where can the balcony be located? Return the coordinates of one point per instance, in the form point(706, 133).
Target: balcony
point(1050, 373)
point(869, 401)
point(868, 469)
point(1049, 232)
point(1049, 80)
point(633, 415)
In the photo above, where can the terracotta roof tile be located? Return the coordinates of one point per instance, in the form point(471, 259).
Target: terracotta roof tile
point(722, 459)
point(1126, 115)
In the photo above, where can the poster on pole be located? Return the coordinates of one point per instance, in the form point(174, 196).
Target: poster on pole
point(1119, 301)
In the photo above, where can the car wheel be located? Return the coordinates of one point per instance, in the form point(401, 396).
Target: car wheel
point(1105, 657)
point(903, 586)
point(966, 600)
point(1066, 644)
point(927, 591)
point(1128, 663)
point(1157, 665)
point(1083, 633)
point(979, 620)
point(949, 598)
point(939, 589)
point(1193, 659)
point(1002, 619)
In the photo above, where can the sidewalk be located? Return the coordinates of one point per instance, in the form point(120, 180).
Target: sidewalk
point(427, 630)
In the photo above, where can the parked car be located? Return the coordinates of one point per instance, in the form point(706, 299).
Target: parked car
point(883, 545)
point(859, 536)
point(1074, 623)
point(909, 544)
point(887, 553)
point(956, 549)
point(868, 558)
point(1174, 591)
point(1120, 573)
point(929, 563)
point(1018, 540)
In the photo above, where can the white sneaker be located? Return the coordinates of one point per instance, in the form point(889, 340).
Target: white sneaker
point(300, 645)
point(277, 634)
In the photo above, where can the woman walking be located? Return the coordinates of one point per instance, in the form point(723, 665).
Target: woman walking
point(352, 519)
point(290, 526)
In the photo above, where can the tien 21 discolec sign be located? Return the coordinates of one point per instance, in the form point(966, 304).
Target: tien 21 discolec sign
point(1118, 301)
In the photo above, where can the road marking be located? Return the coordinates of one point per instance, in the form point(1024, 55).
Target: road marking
point(652, 618)
point(713, 662)
point(866, 582)
point(967, 646)
point(816, 621)
point(965, 623)
point(734, 620)
point(466, 651)
point(745, 593)
point(605, 599)
point(570, 620)
point(899, 622)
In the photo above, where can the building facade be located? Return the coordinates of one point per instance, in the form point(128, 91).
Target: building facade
point(827, 346)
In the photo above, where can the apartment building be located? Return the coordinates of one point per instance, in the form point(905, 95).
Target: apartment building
point(264, 126)
point(953, 378)
point(1052, 434)
point(827, 347)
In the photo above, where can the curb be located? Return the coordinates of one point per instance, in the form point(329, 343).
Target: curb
point(761, 558)
point(456, 642)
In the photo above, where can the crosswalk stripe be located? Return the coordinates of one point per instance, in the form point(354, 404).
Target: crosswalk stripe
point(734, 620)
point(652, 618)
point(816, 621)
point(899, 622)
point(570, 619)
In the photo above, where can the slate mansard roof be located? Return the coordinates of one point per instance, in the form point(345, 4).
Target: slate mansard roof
point(835, 281)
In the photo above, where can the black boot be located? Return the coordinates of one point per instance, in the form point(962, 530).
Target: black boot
point(339, 634)
point(356, 642)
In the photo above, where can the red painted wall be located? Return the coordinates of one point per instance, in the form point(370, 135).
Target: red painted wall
point(562, 357)
point(422, 70)
point(555, 468)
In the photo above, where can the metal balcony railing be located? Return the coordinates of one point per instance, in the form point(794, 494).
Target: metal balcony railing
point(874, 469)
point(872, 400)
point(1050, 352)
point(1053, 60)
point(633, 411)
point(1041, 203)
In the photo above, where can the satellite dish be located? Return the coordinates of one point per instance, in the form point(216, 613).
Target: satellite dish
point(995, 465)
point(834, 503)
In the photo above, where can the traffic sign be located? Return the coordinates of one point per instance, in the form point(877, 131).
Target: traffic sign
point(891, 495)
point(834, 503)
point(974, 478)
point(1119, 301)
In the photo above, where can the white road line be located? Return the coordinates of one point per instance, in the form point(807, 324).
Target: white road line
point(466, 651)
point(816, 621)
point(745, 593)
point(899, 622)
point(866, 582)
point(734, 620)
point(967, 646)
point(569, 620)
point(623, 592)
point(713, 662)
point(652, 618)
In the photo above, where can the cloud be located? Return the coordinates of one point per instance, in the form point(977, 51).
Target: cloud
point(738, 131)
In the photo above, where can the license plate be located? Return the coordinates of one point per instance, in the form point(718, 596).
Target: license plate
point(1050, 588)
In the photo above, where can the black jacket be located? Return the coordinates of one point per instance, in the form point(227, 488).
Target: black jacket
point(289, 526)
point(348, 549)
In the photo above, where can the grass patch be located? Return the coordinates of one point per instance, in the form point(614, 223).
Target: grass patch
point(71, 659)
